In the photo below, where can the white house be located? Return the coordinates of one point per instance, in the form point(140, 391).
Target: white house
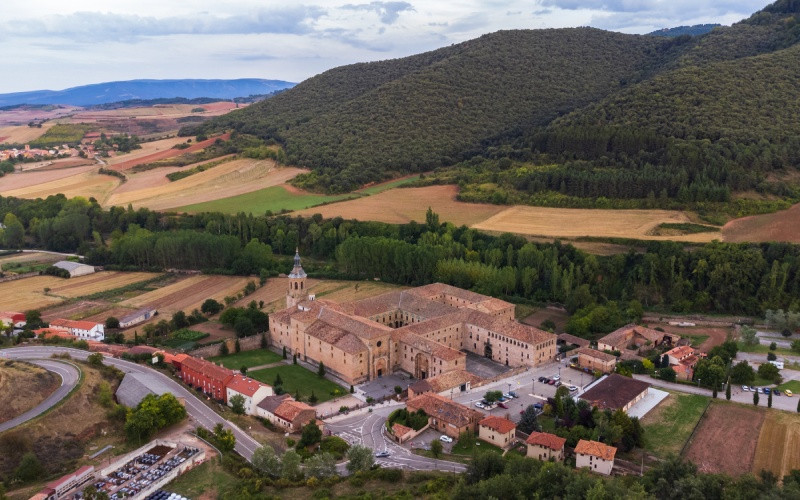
point(595, 456)
point(15, 319)
point(253, 392)
point(85, 330)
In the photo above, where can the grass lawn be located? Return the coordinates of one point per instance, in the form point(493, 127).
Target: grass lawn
point(247, 358)
point(296, 378)
point(548, 424)
point(275, 198)
point(792, 385)
point(764, 349)
point(696, 339)
point(203, 480)
point(472, 446)
point(670, 424)
point(761, 382)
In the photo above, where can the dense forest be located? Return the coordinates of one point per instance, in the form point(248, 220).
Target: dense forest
point(688, 119)
point(602, 291)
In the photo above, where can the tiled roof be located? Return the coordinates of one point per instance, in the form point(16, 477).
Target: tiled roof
point(425, 345)
point(289, 409)
point(614, 392)
point(547, 440)
point(595, 449)
point(245, 385)
point(451, 379)
point(444, 409)
point(572, 339)
point(510, 328)
point(680, 352)
point(400, 430)
point(53, 332)
point(12, 315)
point(336, 336)
point(594, 353)
point(499, 424)
point(271, 403)
point(208, 369)
point(621, 337)
point(80, 325)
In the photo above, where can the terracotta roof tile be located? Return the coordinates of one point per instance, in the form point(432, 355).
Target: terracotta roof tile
point(289, 409)
point(614, 392)
point(425, 345)
point(499, 424)
point(595, 449)
point(547, 440)
point(245, 385)
point(621, 337)
point(208, 369)
point(442, 408)
point(400, 430)
point(594, 353)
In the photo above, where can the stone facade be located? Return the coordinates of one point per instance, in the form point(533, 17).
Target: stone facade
point(422, 331)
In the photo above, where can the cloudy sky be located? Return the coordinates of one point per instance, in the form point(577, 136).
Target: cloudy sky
point(56, 44)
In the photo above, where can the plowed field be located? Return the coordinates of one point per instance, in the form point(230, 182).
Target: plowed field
point(779, 226)
point(778, 444)
point(188, 293)
point(168, 153)
point(726, 438)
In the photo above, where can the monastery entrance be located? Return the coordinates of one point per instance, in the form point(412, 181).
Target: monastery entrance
point(380, 367)
point(421, 366)
point(487, 350)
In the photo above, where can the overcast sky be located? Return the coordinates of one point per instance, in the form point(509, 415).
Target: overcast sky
point(54, 44)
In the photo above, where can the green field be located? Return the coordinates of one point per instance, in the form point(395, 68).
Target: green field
point(274, 199)
point(792, 385)
point(204, 479)
point(670, 424)
point(764, 349)
point(389, 185)
point(473, 446)
point(249, 359)
point(296, 378)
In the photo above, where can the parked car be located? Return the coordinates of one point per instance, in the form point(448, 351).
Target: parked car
point(552, 381)
point(538, 406)
point(766, 390)
point(753, 389)
point(558, 383)
point(502, 405)
point(572, 388)
point(382, 454)
point(502, 399)
point(445, 439)
point(478, 404)
point(513, 394)
point(542, 379)
point(745, 388)
point(776, 392)
point(556, 377)
point(788, 393)
point(508, 396)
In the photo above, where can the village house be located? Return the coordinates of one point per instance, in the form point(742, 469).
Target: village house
point(498, 431)
point(682, 359)
point(545, 446)
point(137, 317)
point(595, 360)
point(11, 318)
point(634, 338)
point(283, 411)
point(85, 330)
point(616, 392)
point(595, 456)
point(251, 390)
point(446, 416)
point(422, 331)
point(211, 379)
point(455, 381)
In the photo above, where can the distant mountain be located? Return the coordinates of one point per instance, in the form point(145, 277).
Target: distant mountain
point(697, 29)
point(103, 93)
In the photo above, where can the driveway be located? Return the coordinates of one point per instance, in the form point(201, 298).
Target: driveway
point(197, 410)
point(69, 379)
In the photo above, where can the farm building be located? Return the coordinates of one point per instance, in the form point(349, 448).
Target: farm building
point(135, 386)
point(74, 268)
point(285, 412)
point(498, 431)
point(615, 392)
point(55, 489)
point(545, 446)
point(205, 375)
point(251, 390)
point(137, 317)
point(595, 456)
point(85, 330)
point(15, 319)
point(635, 337)
point(682, 359)
point(446, 416)
point(595, 360)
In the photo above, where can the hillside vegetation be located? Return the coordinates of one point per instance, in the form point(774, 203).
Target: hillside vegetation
point(652, 120)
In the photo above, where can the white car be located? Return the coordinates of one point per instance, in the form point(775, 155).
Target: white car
point(745, 388)
point(445, 439)
point(478, 404)
point(556, 377)
point(508, 396)
point(572, 388)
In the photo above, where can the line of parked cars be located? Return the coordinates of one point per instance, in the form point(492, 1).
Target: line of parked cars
point(486, 405)
point(767, 390)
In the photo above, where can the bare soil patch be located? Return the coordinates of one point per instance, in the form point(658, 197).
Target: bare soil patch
point(726, 438)
point(716, 335)
point(778, 444)
point(402, 205)
point(22, 387)
point(30, 257)
point(215, 330)
point(75, 310)
point(22, 134)
point(168, 153)
point(188, 293)
point(778, 226)
point(557, 316)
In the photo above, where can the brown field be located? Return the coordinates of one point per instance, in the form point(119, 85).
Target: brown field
point(129, 163)
point(22, 387)
point(399, 206)
point(716, 334)
point(188, 293)
point(155, 177)
point(30, 257)
point(75, 310)
point(23, 134)
point(148, 148)
point(87, 184)
point(557, 316)
point(778, 444)
point(98, 282)
point(725, 440)
point(32, 180)
point(158, 111)
point(779, 226)
point(570, 222)
point(228, 179)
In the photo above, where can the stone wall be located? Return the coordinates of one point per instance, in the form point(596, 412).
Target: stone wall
point(245, 344)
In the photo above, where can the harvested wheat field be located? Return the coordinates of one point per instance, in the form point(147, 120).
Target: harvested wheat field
point(23, 386)
point(87, 183)
point(779, 226)
point(399, 206)
point(148, 148)
point(98, 282)
point(228, 179)
point(23, 134)
point(725, 440)
point(778, 444)
point(34, 179)
point(573, 223)
point(30, 257)
point(131, 161)
point(76, 310)
point(188, 293)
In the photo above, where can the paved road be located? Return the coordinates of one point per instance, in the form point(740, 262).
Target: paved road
point(366, 429)
point(197, 410)
point(69, 378)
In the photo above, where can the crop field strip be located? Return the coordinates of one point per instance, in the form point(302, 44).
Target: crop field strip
point(778, 448)
point(188, 293)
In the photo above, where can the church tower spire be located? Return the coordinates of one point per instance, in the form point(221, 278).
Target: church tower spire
point(297, 282)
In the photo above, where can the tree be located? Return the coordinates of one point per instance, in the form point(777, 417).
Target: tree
point(483, 466)
point(728, 390)
point(667, 374)
point(284, 351)
point(755, 398)
point(179, 320)
point(360, 459)
point(748, 335)
point(243, 370)
point(321, 466)
point(321, 370)
point(264, 342)
point(742, 373)
point(237, 347)
point(278, 380)
point(225, 439)
point(33, 319)
point(773, 346)
point(529, 421)
point(769, 400)
point(294, 359)
point(771, 356)
point(770, 372)
point(290, 466)
point(311, 435)
point(223, 349)
point(436, 448)
point(714, 392)
point(266, 461)
point(29, 468)
point(13, 235)
point(313, 398)
point(112, 323)
point(796, 346)
point(237, 404)
point(211, 307)
point(244, 327)
point(492, 396)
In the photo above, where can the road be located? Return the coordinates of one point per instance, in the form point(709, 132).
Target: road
point(69, 379)
point(366, 429)
point(197, 410)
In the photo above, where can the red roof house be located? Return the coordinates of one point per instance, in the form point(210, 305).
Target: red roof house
point(210, 378)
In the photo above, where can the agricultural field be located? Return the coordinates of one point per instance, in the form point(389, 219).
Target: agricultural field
point(669, 425)
point(274, 198)
point(187, 294)
point(557, 316)
point(738, 427)
point(128, 162)
point(778, 448)
point(399, 206)
point(28, 258)
point(258, 357)
point(22, 134)
point(20, 378)
point(778, 226)
point(297, 379)
point(33, 179)
point(82, 181)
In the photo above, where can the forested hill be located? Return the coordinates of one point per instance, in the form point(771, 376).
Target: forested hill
point(697, 29)
point(365, 122)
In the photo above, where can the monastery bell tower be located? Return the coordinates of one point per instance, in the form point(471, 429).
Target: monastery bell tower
point(297, 283)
